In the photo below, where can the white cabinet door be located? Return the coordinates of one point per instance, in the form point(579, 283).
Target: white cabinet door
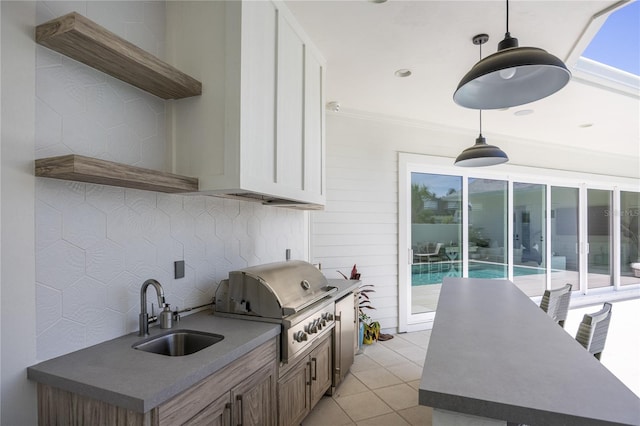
point(314, 145)
point(258, 92)
point(290, 153)
point(300, 130)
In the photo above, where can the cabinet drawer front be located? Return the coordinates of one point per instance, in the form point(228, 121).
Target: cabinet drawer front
point(218, 413)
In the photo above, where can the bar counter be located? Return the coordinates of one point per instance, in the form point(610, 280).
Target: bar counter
point(496, 358)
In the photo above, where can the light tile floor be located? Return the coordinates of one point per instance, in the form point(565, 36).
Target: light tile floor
point(382, 386)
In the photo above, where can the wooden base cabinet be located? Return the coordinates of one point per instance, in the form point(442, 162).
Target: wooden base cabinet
point(242, 393)
point(302, 384)
point(248, 404)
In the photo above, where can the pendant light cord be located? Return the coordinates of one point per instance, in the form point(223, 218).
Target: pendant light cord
point(480, 44)
point(507, 16)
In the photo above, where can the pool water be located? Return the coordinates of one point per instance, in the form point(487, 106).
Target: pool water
point(433, 273)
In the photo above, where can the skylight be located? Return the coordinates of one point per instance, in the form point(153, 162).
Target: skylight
point(617, 43)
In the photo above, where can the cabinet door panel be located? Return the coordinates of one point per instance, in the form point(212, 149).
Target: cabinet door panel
point(290, 128)
point(255, 398)
point(218, 413)
point(314, 155)
point(293, 395)
point(258, 89)
point(345, 336)
point(321, 370)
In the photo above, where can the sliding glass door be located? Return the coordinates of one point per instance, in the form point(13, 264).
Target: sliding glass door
point(487, 229)
point(599, 227)
point(486, 224)
point(629, 237)
point(564, 237)
point(436, 236)
point(529, 229)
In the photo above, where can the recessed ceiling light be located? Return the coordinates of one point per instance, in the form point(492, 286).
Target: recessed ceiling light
point(403, 73)
point(523, 112)
point(585, 125)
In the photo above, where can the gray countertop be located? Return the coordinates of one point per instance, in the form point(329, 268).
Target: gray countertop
point(494, 353)
point(344, 287)
point(116, 373)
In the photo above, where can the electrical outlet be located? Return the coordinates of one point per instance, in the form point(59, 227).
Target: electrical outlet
point(178, 269)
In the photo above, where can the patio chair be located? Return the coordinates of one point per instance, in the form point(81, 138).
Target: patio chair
point(431, 256)
point(592, 332)
point(556, 303)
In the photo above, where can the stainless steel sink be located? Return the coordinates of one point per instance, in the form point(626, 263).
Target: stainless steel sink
point(178, 342)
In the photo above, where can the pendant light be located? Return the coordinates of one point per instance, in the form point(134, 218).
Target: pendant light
point(481, 154)
point(512, 76)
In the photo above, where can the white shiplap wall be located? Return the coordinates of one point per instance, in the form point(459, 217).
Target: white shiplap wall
point(360, 222)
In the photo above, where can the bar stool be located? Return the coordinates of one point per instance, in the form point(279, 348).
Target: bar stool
point(592, 332)
point(556, 303)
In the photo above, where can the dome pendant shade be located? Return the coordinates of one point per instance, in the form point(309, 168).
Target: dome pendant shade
point(481, 154)
point(510, 77)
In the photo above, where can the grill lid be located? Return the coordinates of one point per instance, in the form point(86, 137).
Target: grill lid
point(273, 290)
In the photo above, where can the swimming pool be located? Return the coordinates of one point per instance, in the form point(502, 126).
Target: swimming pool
point(433, 273)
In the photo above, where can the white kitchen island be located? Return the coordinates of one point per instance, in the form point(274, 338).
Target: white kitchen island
point(495, 357)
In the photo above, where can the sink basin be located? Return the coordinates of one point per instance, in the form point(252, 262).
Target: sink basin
point(178, 342)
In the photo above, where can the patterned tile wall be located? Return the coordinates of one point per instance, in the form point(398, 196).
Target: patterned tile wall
point(95, 245)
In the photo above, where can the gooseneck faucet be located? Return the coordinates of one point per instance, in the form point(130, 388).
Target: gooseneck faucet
point(144, 319)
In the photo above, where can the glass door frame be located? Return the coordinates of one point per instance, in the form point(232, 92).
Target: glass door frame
point(614, 243)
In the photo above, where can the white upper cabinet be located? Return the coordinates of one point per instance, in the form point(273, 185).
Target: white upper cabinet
point(257, 131)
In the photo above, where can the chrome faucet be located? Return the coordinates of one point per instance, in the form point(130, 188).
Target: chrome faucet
point(165, 315)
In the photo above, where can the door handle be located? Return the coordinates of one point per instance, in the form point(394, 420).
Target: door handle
point(315, 369)
point(240, 413)
point(228, 407)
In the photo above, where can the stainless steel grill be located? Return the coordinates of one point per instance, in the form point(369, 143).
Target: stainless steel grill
point(293, 293)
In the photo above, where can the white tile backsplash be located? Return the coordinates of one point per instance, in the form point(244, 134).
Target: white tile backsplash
point(96, 244)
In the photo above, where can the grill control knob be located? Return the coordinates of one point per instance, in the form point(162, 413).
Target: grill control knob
point(300, 336)
point(327, 316)
point(310, 328)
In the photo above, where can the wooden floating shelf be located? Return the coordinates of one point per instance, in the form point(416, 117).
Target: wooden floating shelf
point(85, 41)
point(91, 170)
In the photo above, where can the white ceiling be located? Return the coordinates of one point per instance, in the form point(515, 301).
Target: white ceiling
point(364, 43)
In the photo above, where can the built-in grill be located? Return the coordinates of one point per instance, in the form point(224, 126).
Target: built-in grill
point(293, 293)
